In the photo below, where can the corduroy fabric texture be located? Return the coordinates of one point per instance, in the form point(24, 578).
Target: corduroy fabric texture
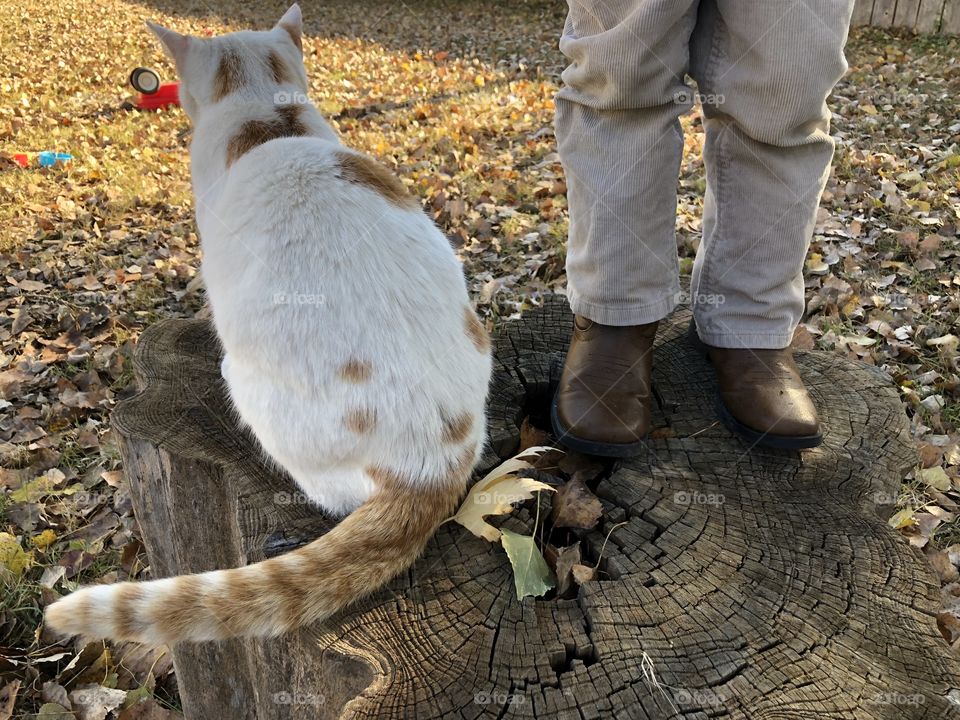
point(764, 69)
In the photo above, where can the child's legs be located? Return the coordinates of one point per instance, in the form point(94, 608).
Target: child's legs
point(765, 70)
point(621, 146)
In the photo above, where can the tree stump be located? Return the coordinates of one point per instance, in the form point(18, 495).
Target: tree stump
point(746, 583)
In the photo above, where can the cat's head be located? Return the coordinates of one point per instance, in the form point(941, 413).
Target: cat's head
point(255, 64)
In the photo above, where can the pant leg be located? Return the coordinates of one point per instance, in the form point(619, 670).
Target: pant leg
point(620, 144)
point(765, 68)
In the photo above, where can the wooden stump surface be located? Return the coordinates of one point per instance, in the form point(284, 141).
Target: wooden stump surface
point(746, 583)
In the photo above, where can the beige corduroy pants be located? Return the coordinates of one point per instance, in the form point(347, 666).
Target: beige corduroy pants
point(763, 69)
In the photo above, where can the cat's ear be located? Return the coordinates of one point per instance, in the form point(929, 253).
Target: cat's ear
point(174, 43)
point(292, 24)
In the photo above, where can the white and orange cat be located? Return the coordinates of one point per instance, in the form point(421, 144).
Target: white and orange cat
point(350, 348)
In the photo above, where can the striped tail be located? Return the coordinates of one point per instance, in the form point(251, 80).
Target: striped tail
point(369, 547)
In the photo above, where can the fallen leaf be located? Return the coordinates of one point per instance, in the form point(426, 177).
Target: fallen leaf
point(531, 435)
point(562, 561)
point(12, 556)
point(43, 485)
point(44, 539)
point(575, 506)
point(496, 493)
point(94, 702)
point(935, 477)
point(531, 574)
point(54, 711)
point(902, 519)
point(55, 693)
point(583, 574)
point(949, 627)
point(940, 560)
point(8, 698)
point(149, 710)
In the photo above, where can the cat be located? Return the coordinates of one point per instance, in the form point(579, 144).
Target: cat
point(351, 350)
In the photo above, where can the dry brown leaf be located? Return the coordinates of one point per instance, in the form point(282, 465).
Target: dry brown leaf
point(583, 574)
point(8, 698)
point(575, 506)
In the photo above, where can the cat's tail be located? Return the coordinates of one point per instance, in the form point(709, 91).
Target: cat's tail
point(369, 547)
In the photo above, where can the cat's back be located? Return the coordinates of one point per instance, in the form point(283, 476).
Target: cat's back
point(330, 283)
point(316, 200)
point(312, 177)
point(322, 246)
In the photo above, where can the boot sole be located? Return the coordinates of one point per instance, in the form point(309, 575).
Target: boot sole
point(592, 447)
point(754, 437)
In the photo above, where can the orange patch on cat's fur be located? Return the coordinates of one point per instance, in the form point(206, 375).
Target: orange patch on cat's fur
point(256, 132)
point(361, 421)
point(457, 428)
point(361, 170)
point(355, 371)
point(279, 70)
point(288, 587)
point(181, 607)
point(425, 508)
point(230, 75)
point(126, 610)
point(476, 331)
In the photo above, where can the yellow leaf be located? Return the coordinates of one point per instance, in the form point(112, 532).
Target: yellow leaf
point(12, 556)
point(496, 493)
point(44, 539)
point(43, 485)
point(902, 519)
point(816, 265)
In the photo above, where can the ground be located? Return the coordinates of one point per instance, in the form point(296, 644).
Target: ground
point(458, 99)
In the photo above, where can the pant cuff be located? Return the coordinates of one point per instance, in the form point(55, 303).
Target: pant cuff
point(624, 314)
point(741, 341)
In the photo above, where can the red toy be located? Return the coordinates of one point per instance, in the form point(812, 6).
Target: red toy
point(167, 94)
point(153, 94)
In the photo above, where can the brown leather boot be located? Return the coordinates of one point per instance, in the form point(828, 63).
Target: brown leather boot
point(762, 397)
point(602, 406)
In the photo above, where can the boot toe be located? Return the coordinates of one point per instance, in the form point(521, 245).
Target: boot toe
point(588, 419)
point(777, 415)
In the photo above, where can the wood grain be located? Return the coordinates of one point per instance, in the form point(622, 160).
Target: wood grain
point(883, 12)
point(862, 11)
point(753, 583)
point(950, 21)
point(928, 16)
point(905, 15)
